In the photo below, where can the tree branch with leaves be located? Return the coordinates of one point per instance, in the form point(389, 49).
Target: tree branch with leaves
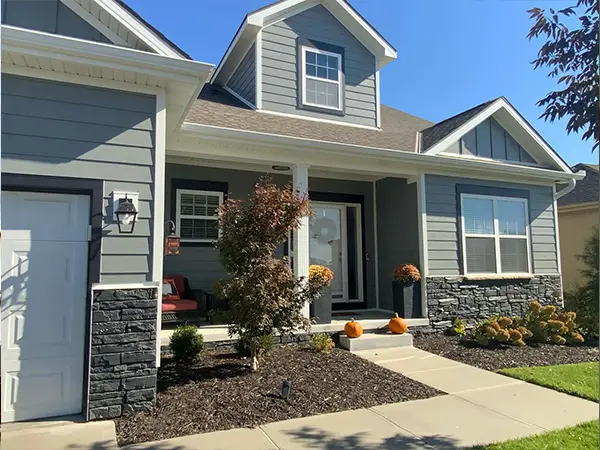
point(571, 54)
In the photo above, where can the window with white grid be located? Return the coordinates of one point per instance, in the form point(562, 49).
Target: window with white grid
point(495, 234)
point(321, 78)
point(197, 215)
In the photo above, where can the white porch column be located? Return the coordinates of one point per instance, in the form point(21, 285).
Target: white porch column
point(301, 236)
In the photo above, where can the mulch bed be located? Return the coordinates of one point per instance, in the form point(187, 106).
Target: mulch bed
point(451, 347)
point(218, 392)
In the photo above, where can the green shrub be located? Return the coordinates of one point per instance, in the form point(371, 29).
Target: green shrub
point(498, 330)
point(580, 300)
point(321, 342)
point(186, 343)
point(548, 325)
point(458, 328)
point(264, 345)
point(218, 316)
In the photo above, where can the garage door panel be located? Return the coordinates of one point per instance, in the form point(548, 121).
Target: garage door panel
point(59, 268)
point(29, 388)
point(56, 217)
point(44, 293)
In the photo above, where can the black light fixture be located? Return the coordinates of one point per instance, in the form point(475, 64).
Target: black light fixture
point(126, 216)
point(286, 389)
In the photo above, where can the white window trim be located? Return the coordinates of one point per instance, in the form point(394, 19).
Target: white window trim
point(305, 76)
point(180, 216)
point(496, 235)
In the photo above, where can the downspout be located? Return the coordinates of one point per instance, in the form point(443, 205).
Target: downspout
point(569, 187)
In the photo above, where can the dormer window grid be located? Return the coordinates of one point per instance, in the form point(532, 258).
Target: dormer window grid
point(321, 78)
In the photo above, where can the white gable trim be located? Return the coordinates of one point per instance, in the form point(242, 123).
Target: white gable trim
point(85, 15)
point(501, 105)
point(342, 11)
point(138, 28)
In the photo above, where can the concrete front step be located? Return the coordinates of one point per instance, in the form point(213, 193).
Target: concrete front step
point(371, 341)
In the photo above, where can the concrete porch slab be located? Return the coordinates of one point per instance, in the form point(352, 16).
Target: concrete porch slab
point(73, 436)
point(449, 422)
point(341, 431)
point(533, 404)
point(370, 341)
point(239, 438)
point(387, 354)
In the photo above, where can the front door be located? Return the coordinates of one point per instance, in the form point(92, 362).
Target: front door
point(44, 284)
point(335, 242)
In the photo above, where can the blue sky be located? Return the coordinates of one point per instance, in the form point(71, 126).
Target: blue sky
point(452, 55)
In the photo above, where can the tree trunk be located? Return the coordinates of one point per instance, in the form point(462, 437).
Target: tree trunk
point(253, 356)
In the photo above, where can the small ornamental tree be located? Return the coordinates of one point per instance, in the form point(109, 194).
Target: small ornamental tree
point(263, 294)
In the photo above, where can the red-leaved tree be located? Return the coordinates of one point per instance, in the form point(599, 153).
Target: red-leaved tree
point(262, 292)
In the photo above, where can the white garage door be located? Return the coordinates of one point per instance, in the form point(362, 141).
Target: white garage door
point(44, 284)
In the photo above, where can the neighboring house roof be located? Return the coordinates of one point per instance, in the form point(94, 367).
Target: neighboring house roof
point(216, 107)
point(586, 190)
point(432, 135)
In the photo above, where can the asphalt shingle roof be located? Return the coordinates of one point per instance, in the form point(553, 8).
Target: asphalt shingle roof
point(586, 190)
point(432, 135)
point(217, 107)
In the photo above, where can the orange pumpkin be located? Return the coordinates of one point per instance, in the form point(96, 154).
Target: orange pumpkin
point(398, 325)
point(353, 329)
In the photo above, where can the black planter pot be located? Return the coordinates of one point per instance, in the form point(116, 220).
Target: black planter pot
point(320, 308)
point(407, 299)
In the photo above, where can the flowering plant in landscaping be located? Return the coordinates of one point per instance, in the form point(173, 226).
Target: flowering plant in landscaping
point(320, 275)
point(407, 273)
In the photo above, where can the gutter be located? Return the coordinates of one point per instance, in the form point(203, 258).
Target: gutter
point(570, 186)
point(423, 160)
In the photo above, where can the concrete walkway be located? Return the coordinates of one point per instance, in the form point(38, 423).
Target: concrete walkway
point(481, 407)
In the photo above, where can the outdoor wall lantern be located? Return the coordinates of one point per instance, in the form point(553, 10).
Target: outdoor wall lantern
point(125, 208)
point(172, 241)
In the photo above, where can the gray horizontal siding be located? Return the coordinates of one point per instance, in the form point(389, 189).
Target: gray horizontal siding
point(243, 80)
point(490, 140)
point(443, 224)
point(58, 129)
point(50, 16)
point(201, 264)
point(279, 70)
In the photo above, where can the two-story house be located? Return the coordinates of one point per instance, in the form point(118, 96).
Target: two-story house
point(101, 113)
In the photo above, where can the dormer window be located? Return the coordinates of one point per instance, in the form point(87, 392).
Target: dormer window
point(322, 79)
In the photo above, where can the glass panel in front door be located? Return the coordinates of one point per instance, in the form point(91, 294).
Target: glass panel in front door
point(326, 245)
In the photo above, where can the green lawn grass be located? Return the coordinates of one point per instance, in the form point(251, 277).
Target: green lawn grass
point(575, 379)
point(580, 437)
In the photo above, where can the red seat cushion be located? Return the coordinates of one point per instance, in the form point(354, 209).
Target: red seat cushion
point(179, 305)
point(179, 283)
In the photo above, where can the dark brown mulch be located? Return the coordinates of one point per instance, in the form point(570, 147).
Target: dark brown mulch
point(500, 358)
point(219, 393)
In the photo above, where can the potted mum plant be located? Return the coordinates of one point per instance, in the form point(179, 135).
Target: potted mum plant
point(406, 291)
point(320, 307)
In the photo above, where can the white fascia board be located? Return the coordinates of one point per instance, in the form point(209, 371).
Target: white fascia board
point(499, 104)
point(429, 163)
point(134, 25)
point(66, 48)
point(84, 14)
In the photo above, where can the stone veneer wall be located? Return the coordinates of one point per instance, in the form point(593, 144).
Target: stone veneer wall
point(451, 297)
point(123, 355)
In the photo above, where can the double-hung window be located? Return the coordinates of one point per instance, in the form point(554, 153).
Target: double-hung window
point(495, 232)
point(321, 79)
point(197, 215)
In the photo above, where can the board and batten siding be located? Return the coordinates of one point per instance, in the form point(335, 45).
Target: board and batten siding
point(243, 79)
point(201, 265)
point(443, 224)
point(67, 130)
point(50, 16)
point(279, 66)
point(490, 140)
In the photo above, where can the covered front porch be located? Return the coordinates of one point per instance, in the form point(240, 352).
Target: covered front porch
point(365, 223)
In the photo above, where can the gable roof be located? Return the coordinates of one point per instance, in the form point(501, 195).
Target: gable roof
point(216, 107)
point(124, 27)
point(432, 135)
point(511, 120)
point(255, 21)
point(586, 190)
